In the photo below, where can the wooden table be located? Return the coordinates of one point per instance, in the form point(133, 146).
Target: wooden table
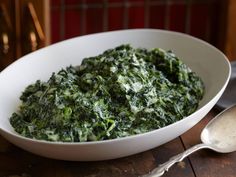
point(15, 162)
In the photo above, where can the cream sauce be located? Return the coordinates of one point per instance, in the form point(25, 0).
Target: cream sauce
point(222, 133)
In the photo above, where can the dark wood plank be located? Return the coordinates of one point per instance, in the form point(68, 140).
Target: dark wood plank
point(15, 162)
point(207, 163)
point(164, 152)
point(227, 26)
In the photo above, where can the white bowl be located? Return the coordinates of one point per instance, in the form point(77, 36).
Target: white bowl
point(208, 62)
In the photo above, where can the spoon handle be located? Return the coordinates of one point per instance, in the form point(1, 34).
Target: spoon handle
point(160, 170)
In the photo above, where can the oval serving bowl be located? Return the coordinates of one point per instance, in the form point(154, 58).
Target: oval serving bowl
point(207, 61)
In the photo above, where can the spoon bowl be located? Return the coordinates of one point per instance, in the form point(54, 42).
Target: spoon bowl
point(218, 135)
point(220, 132)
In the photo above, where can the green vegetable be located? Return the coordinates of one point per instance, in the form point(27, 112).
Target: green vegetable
point(122, 92)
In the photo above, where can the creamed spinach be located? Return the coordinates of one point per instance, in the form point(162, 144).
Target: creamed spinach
point(123, 91)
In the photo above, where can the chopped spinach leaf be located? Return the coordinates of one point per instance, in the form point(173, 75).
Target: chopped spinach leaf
point(122, 92)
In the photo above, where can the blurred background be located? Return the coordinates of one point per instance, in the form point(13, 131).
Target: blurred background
point(27, 25)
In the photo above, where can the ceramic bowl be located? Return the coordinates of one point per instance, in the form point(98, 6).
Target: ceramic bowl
point(207, 61)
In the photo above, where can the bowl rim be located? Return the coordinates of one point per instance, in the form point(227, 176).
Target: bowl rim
point(33, 140)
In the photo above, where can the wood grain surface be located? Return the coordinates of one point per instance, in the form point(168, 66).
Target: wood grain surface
point(15, 162)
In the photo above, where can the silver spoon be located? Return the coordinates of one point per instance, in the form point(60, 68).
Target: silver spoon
point(218, 135)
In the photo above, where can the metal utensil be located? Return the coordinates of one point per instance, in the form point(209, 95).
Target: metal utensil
point(218, 135)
